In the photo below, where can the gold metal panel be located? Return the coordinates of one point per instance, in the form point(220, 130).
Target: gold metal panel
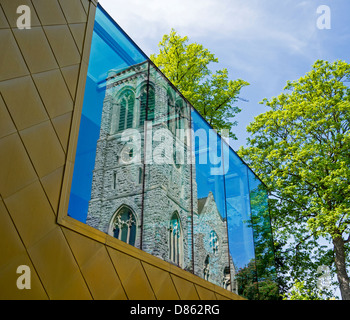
point(71, 74)
point(6, 125)
point(13, 255)
point(35, 49)
point(205, 294)
point(3, 21)
point(43, 148)
point(221, 297)
point(52, 185)
point(85, 4)
point(9, 277)
point(73, 10)
point(49, 12)
point(16, 170)
point(102, 279)
point(31, 212)
point(96, 266)
point(11, 245)
point(12, 64)
point(62, 126)
point(54, 92)
point(57, 268)
point(84, 248)
point(89, 31)
point(185, 289)
point(132, 276)
point(75, 288)
point(63, 45)
point(10, 10)
point(161, 283)
point(78, 31)
point(23, 102)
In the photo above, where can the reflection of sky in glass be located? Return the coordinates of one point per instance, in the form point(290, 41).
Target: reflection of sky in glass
point(241, 242)
point(110, 49)
point(208, 156)
point(230, 191)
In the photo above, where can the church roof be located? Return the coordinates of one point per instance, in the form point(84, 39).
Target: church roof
point(201, 203)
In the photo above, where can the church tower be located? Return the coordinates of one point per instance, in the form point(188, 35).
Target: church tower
point(141, 181)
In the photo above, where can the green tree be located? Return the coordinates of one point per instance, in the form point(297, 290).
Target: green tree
point(186, 65)
point(253, 288)
point(300, 292)
point(300, 148)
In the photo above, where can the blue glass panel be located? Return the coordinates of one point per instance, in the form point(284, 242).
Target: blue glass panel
point(111, 52)
point(167, 180)
point(210, 241)
point(263, 241)
point(240, 233)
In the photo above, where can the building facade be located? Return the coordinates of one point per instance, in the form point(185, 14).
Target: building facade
point(52, 91)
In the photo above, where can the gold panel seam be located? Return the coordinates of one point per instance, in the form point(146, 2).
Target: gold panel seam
point(149, 281)
point(13, 35)
point(25, 248)
point(121, 283)
point(76, 261)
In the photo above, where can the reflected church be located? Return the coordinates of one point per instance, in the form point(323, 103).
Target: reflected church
point(141, 189)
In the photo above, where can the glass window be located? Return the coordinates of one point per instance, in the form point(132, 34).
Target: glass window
point(263, 241)
point(112, 52)
point(240, 232)
point(209, 203)
point(167, 180)
point(175, 243)
point(206, 270)
point(150, 171)
point(214, 243)
point(123, 226)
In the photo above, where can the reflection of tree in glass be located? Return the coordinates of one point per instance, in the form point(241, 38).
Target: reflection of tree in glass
point(264, 251)
point(250, 288)
point(246, 281)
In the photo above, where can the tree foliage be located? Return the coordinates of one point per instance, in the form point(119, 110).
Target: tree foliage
point(300, 147)
point(186, 65)
point(300, 292)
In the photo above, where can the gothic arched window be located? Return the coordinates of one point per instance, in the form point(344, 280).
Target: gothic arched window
point(226, 282)
point(206, 269)
point(175, 248)
point(126, 113)
point(179, 115)
point(170, 112)
point(151, 104)
point(214, 242)
point(124, 226)
point(144, 104)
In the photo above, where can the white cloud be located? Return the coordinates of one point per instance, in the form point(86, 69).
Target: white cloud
point(225, 20)
point(199, 17)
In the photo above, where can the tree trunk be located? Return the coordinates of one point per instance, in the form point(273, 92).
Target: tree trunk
point(340, 265)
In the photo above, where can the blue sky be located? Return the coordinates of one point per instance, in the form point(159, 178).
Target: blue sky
point(264, 42)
